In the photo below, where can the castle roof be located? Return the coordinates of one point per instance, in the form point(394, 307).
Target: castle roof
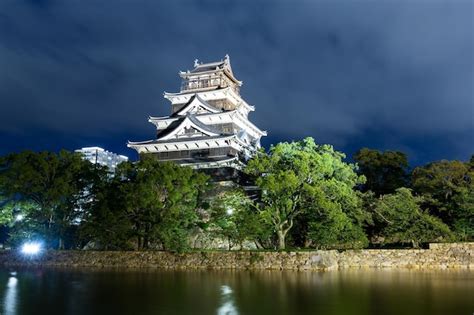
point(188, 121)
point(196, 101)
point(160, 141)
point(206, 119)
point(208, 66)
point(204, 68)
point(209, 125)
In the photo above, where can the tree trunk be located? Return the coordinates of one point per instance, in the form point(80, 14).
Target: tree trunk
point(258, 245)
point(281, 239)
point(145, 241)
point(61, 244)
point(139, 243)
point(194, 240)
point(50, 221)
point(146, 238)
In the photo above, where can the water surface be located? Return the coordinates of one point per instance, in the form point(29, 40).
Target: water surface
point(53, 291)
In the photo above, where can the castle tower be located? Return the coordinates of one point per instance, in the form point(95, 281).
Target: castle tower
point(208, 127)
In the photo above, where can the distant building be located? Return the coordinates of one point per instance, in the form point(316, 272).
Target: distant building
point(208, 127)
point(97, 155)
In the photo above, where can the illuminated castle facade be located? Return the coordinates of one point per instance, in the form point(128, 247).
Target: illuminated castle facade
point(208, 127)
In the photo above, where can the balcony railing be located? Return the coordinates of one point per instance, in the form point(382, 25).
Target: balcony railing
point(207, 82)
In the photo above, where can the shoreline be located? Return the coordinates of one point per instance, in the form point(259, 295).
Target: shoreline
point(439, 256)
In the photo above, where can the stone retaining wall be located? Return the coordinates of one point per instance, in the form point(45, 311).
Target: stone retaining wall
point(438, 256)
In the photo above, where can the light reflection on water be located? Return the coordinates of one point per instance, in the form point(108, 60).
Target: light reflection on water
point(228, 306)
point(39, 291)
point(9, 304)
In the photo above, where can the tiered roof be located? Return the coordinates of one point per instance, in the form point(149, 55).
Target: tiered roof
point(199, 124)
point(212, 67)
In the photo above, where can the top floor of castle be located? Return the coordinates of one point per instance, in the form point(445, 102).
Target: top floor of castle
point(209, 76)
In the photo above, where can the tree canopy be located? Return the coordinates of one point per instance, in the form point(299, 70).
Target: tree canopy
point(44, 188)
point(448, 187)
point(235, 217)
point(306, 196)
point(305, 179)
point(402, 220)
point(384, 171)
point(157, 204)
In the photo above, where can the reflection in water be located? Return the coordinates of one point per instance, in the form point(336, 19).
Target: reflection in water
point(9, 305)
point(227, 307)
point(37, 291)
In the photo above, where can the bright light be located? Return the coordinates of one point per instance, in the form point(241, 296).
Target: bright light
point(31, 248)
point(230, 211)
point(12, 281)
point(19, 217)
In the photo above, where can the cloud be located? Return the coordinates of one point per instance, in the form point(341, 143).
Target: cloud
point(338, 71)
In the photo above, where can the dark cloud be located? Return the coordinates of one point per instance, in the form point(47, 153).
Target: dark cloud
point(388, 74)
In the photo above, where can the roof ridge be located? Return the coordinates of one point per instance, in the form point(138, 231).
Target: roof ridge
point(202, 125)
point(205, 104)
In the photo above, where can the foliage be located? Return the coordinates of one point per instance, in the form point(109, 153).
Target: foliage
point(51, 183)
point(60, 194)
point(7, 211)
point(105, 223)
point(463, 221)
point(235, 218)
point(160, 199)
point(302, 178)
point(307, 199)
point(333, 228)
point(384, 171)
point(403, 221)
point(448, 188)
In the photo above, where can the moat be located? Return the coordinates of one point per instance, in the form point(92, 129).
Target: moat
point(85, 291)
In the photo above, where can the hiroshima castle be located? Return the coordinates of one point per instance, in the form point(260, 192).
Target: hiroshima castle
point(208, 127)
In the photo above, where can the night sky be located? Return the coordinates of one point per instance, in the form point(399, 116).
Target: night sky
point(382, 74)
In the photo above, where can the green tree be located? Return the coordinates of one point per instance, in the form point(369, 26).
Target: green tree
point(51, 183)
point(448, 190)
point(403, 221)
point(384, 171)
point(337, 221)
point(304, 179)
point(16, 215)
point(463, 221)
point(7, 208)
point(161, 199)
point(235, 217)
point(105, 223)
point(334, 229)
point(102, 215)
